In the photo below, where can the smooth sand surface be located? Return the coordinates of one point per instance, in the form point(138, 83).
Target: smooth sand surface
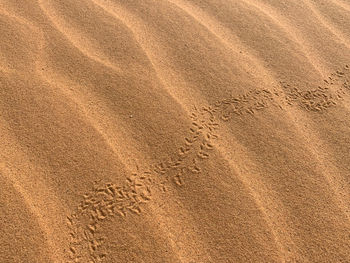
point(174, 131)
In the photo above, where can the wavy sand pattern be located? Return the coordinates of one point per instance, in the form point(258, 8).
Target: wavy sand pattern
point(175, 131)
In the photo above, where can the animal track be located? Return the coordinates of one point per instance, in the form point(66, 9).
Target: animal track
point(107, 201)
point(101, 203)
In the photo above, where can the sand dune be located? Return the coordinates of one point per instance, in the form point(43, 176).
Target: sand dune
point(175, 131)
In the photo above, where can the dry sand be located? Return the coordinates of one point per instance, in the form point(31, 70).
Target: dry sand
point(192, 131)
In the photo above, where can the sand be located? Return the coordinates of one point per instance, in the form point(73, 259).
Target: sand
point(202, 131)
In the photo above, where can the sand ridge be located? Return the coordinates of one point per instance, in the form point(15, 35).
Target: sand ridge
point(174, 131)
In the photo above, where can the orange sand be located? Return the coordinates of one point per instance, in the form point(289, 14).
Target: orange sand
point(174, 131)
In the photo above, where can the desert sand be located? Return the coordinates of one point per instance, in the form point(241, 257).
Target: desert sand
point(174, 131)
